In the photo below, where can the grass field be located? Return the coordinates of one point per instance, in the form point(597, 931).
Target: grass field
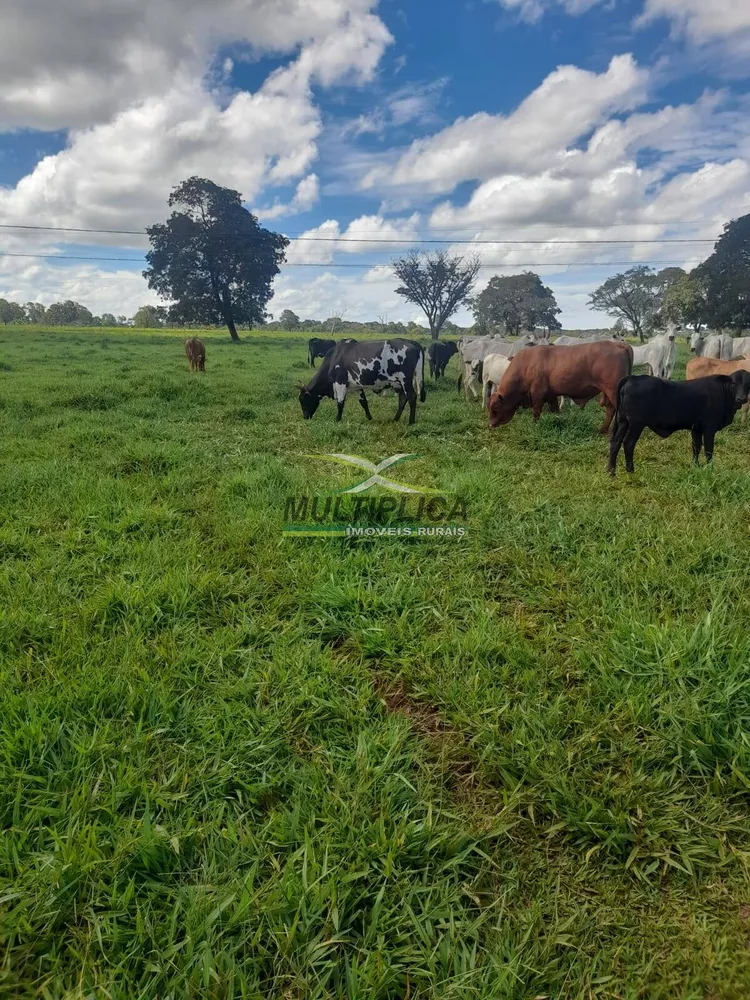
point(236, 765)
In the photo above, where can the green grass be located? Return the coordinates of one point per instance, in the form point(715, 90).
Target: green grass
point(234, 765)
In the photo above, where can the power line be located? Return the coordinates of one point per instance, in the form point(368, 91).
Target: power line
point(374, 239)
point(547, 263)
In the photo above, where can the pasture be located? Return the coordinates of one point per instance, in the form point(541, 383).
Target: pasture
point(235, 765)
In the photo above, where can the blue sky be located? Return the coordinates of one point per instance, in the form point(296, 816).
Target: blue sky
point(562, 123)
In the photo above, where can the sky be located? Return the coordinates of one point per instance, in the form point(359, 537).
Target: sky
point(525, 131)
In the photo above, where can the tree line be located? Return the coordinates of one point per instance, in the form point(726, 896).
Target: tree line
point(215, 264)
point(66, 313)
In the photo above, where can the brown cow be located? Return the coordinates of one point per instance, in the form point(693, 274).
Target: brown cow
point(196, 354)
point(540, 375)
point(701, 367)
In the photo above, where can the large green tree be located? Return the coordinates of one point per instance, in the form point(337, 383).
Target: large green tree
point(516, 302)
point(35, 312)
point(684, 302)
point(11, 312)
point(289, 320)
point(634, 296)
point(725, 278)
point(150, 317)
point(69, 313)
point(212, 259)
point(437, 282)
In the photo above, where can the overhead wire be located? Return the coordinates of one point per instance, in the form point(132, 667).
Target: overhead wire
point(330, 264)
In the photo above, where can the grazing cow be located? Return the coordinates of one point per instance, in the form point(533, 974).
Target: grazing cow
point(540, 375)
point(658, 355)
point(703, 367)
point(318, 347)
point(439, 354)
point(703, 407)
point(478, 348)
point(195, 351)
point(494, 367)
point(370, 364)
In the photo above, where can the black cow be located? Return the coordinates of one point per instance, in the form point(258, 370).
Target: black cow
point(317, 347)
point(369, 364)
point(703, 406)
point(439, 354)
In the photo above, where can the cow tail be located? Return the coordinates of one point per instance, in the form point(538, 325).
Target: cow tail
point(618, 404)
point(420, 379)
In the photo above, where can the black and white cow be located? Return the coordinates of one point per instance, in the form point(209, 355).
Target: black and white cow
point(353, 366)
point(317, 347)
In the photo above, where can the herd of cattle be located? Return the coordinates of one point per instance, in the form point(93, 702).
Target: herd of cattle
point(531, 372)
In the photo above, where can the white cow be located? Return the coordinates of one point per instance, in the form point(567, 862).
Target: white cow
point(566, 341)
point(740, 348)
point(712, 345)
point(494, 367)
point(658, 355)
point(477, 349)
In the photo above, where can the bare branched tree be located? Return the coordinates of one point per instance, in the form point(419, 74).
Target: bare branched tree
point(437, 282)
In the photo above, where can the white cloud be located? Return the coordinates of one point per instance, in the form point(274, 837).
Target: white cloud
point(533, 10)
point(601, 183)
point(305, 197)
point(74, 63)
point(702, 21)
point(568, 104)
point(355, 239)
point(120, 292)
point(118, 175)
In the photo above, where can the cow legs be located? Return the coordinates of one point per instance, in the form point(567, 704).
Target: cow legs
point(615, 444)
point(697, 443)
point(609, 407)
point(708, 444)
point(486, 393)
point(363, 404)
point(744, 412)
point(339, 394)
point(412, 397)
point(628, 445)
point(402, 397)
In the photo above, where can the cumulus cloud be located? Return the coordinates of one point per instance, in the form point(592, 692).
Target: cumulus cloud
point(601, 183)
point(305, 197)
point(702, 22)
point(73, 63)
point(568, 103)
point(118, 173)
point(120, 292)
point(366, 234)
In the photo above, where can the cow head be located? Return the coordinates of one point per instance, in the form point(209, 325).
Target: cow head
point(501, 410)
point(696, 343)
point(308, 401)
point(741, 380)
